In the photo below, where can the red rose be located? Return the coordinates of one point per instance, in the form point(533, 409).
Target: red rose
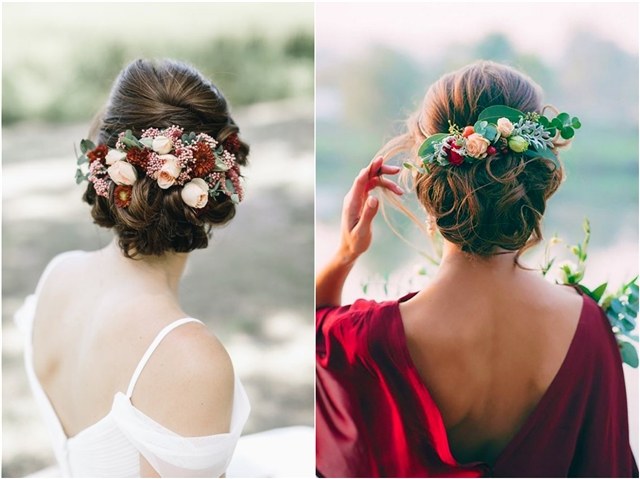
point(454, 157)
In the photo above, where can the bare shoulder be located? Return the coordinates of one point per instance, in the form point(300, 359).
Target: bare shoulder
point(188, 383)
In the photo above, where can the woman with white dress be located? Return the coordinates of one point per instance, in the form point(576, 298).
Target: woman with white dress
point(129, 384)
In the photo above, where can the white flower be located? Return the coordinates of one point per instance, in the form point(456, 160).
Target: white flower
point(476, 145)
point(162, 145)
point(122, 173)
point(169, 172)
point(115, 155)
point(505, 127)
point(195, 193)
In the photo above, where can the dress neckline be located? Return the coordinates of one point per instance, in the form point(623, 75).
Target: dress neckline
point(531, 419)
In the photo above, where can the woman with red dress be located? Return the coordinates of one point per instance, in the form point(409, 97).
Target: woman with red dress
point(490, 370)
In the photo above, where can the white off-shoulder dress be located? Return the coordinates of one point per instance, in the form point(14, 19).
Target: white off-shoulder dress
point(112, 446)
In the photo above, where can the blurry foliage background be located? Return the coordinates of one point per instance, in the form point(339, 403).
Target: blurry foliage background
point(253, 286)
point(363, 100)
point(583, 55)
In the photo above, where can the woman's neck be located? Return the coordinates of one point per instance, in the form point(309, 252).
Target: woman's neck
point(455, 262)
point(165, 270)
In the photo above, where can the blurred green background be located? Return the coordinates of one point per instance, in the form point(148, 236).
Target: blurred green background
point(374, 63)
point(365, 94)
point(59, 61)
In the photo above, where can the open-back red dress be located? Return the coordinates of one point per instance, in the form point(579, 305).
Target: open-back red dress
point(376, 418)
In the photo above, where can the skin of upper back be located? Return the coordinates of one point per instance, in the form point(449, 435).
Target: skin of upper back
point(487, 349)
point(93, 323)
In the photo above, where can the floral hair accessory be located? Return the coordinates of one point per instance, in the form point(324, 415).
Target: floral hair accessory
point(499, 129)
point(198, 163)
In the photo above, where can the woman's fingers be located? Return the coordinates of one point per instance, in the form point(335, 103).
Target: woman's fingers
point(368, 213)
point(384, 183)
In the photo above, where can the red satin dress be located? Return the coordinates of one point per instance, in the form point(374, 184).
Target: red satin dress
point(376, 418)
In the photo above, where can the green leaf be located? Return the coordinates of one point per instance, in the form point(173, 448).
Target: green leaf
point(230, 186)
point(411, 166)
point(130, 141)
point(567, 132)
point(235, 198)
point(544, 153)
point(480, 127)
point(82, 159)
point(575, 122)
point(628, 353)
point(493, 113)
point(148, 142)
point(557, 123)
point(616, 306)
point(80, 177)
point(427, 147)
point(220, 166)
point(597, 293)
point(86, 145)
point(491, 133)
point(564, 118)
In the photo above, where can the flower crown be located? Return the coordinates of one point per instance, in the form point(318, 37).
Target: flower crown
point(197, 162)
point(499, 129)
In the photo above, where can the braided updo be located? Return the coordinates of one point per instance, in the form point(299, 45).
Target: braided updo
point(160, 94)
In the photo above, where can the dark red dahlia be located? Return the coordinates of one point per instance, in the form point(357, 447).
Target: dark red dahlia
point(205, 161)
point(232, 143)
point(122, 195)
point(138, 157)
point(98, 153)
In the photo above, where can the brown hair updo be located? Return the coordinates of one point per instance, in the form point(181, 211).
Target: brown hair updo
point(490, 205)
point(160, 94)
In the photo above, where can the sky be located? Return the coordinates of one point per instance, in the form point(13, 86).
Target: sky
point(420, 29)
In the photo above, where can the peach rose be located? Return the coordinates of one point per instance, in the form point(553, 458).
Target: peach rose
point(476, 145)
point(505, 127)
point(122, 173)
point(162, 145)
point(195, 193)
point(115, 155)
point(169, 172)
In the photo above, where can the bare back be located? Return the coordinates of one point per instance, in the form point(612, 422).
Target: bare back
point(488, 349)
point(94, 321)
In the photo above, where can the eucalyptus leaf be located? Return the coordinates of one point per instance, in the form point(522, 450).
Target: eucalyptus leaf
point(82, 159)
point(427, 147)
point(567, 132)
point(86, 145)
point(220, 166)
point(229, 185)
point(235, 198)
point(564, 118)
point(148, 142)
point(493, 113)
point(575, 122)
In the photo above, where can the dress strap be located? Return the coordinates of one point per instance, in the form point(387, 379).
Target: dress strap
point(152, 347)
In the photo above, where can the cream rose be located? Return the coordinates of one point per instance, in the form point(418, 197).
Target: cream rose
point(505, 127)
point(122, 173)
point(162, 145)
point(195, 193)
point(169, 172)
point(476, 145)
point(115, 155)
